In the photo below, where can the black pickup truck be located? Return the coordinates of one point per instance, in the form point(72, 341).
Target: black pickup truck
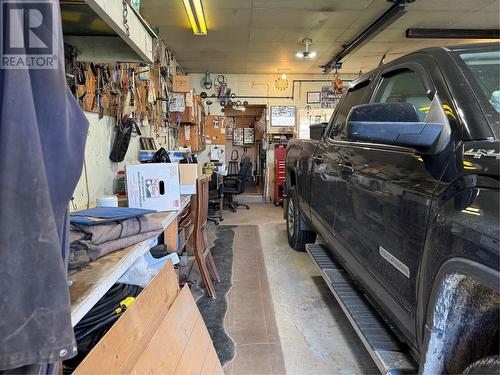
point(403, 189)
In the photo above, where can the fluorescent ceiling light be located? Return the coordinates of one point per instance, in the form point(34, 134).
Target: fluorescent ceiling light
point(194, 10)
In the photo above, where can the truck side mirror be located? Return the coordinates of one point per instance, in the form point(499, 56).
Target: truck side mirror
point(398, 124)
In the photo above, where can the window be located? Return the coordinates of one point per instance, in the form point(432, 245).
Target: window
point(355, 96)
point(485, 68)
point(404, 87)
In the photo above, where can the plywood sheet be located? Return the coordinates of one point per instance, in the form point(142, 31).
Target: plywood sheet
point(120, 348)
point(181, 343)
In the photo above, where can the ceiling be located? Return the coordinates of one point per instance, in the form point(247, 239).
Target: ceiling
point(263, 36)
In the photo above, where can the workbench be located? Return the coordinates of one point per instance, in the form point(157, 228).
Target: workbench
point(91, 283)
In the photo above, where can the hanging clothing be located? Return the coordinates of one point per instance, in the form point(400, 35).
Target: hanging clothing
point(42, 142)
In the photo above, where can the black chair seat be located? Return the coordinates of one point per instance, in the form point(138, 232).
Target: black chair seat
point(235, 184)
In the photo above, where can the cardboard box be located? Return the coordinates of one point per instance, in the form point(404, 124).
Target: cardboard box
point(153, 186)
point(188, 173)
point(181, 83)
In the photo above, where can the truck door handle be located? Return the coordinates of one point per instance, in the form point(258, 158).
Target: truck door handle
point(318, 159)
point(346, 169)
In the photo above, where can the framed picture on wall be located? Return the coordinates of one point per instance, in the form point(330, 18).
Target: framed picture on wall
point(283, 115)
point(313, 97)
point(238, 137)
point(329, 98)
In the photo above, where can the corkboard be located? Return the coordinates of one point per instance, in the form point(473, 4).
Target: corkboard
point(215, 135)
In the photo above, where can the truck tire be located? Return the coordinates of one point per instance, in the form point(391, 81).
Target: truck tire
point(486, 365)
point(297, 237)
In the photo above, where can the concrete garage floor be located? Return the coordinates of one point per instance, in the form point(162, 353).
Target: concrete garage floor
point(315, 335)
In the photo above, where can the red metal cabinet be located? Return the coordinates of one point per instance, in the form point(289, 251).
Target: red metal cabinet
point(279, 170)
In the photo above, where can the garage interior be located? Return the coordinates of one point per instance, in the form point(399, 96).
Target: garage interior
point(165, 232)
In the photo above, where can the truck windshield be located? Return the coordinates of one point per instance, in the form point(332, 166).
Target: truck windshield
point(482, 69)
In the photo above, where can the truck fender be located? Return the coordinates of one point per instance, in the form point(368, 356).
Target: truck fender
point(462, 317)
point(290, 180)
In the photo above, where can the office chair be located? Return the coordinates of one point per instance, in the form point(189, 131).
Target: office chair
point(235, 184)
point(215, 200)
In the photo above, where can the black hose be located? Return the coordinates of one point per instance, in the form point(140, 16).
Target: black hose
point(99, 325)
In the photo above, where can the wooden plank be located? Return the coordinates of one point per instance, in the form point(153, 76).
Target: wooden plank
point(90, 284)
point(120, 348)
point(218, 370)
point(195, 352)
point(250, 110)
point(244, 122)
point(171, 237)
point(167, 345)
point(211, 361)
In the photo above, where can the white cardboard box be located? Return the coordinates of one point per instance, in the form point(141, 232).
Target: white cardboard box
point(153, 186)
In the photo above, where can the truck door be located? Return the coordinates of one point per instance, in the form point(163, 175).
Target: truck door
point(324, 165)
point(383, 200)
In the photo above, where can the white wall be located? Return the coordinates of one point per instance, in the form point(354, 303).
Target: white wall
point(264, 85)
point(101, 171)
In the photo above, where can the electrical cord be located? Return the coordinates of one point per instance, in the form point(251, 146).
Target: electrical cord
point(86, 182)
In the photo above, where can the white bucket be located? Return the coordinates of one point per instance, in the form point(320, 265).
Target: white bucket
point(107, 201)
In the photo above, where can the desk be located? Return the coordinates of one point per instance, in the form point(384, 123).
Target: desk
point(90, 284)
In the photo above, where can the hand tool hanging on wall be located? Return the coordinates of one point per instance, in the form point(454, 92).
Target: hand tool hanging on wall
point(70, 65)
point(132, 87)
point(122, 139)
point(81, 80)
point(97, 71)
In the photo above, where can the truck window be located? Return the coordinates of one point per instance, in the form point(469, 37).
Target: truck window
point(405, 86)
point(354, 96)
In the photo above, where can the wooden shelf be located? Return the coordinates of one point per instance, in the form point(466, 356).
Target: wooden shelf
point(90, 284)
point(97, 28)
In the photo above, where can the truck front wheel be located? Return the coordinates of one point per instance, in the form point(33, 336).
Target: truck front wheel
point(297, 237)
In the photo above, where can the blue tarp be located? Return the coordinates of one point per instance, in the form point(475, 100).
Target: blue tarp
point(102, 215)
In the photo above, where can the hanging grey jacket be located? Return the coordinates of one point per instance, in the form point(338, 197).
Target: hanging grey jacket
point(42, 142)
